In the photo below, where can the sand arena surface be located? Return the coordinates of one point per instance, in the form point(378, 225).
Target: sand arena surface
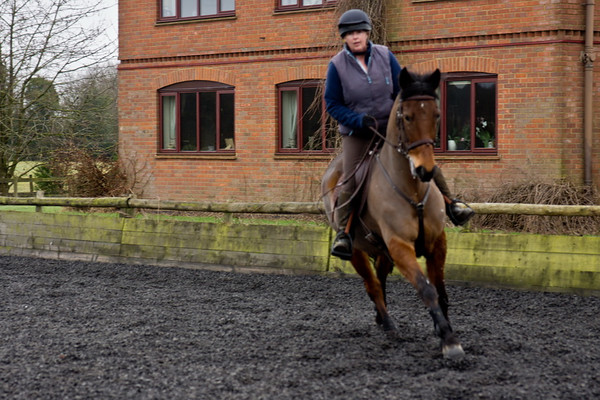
point(87, 330)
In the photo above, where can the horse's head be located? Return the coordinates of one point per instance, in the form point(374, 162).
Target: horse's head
point(417, 115)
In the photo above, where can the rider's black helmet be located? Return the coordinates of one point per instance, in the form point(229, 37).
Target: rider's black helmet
point(354, 20)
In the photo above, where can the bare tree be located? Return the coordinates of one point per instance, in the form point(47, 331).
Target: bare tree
point(43, 44)
point(91, 104)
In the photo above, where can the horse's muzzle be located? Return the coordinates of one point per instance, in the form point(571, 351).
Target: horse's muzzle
point(423, 174)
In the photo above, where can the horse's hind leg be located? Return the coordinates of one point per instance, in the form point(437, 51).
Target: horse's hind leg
point(383, 266)
point(362, 265)
point(405, 259)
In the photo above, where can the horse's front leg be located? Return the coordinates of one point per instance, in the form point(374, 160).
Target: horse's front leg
point(435, 271)
point(403, 254)
point(361, 263)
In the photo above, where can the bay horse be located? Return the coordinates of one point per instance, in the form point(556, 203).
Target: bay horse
point(401, 208)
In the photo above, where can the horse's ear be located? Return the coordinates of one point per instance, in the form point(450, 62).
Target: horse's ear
point(406, 78)
point(435, 78)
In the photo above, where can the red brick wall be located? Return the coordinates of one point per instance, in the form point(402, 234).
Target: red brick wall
point(254, 174)
point(534, 48)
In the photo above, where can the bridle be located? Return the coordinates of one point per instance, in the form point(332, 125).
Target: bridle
point(404, 146)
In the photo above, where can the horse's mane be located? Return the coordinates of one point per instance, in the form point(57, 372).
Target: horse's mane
point(413, 84)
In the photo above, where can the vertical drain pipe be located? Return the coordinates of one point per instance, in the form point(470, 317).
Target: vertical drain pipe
point(587, 57)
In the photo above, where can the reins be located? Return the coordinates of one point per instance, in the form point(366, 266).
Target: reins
point(366, 154)
point(418, 206)
point(404, 148)
point(401, 147)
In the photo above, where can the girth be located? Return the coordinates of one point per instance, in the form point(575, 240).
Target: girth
point(419, 207)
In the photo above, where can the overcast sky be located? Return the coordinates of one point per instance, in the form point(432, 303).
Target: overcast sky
point(110, 19)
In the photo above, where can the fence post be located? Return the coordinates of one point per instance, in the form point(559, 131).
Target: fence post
point(128, 212)
point(38, 195)
point(16, 186)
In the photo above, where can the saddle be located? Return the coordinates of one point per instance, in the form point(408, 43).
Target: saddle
point(361, 178)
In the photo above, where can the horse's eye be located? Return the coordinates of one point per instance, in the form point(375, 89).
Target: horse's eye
point(407, 118)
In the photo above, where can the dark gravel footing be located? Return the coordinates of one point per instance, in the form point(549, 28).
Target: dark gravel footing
point(86, 330)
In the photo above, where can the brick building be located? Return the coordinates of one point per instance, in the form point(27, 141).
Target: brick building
point(219, 100)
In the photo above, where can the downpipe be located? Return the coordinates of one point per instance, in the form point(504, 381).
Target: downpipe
point(587, 58)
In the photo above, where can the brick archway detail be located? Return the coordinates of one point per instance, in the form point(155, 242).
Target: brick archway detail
point(195, 74)
point(297, 73)
point(457, 64)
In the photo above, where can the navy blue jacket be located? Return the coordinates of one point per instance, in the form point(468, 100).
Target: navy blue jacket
point(334, 93)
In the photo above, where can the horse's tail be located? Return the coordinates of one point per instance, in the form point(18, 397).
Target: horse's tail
point(329, 183)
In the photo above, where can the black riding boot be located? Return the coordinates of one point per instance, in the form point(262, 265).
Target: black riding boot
point(342, 244)
point(459, 215)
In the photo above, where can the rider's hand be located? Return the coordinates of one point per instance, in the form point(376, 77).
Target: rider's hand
point(369, 122)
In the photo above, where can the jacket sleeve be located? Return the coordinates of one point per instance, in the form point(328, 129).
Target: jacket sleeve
point(334, 101)
point(395, 65)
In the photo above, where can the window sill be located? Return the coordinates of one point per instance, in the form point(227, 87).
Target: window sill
point(197, 156)
point(280, 11)
point(467, 156)
point(166, 22)
point(305, 156)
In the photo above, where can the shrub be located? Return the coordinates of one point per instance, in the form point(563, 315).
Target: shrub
point(54, 186)
point(559, 193)
point(88, 176)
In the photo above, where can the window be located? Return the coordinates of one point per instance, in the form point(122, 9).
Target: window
point(193, 9)
point(284, 5)
point(197, 117)
point(303, 123)
point(469, 109)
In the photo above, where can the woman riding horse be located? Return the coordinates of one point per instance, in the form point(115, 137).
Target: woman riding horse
point(401, 215)
point(361, 85)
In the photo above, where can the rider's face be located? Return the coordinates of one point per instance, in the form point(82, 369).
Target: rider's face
point(357, 41)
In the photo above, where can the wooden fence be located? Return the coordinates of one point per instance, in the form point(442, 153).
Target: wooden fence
point(126, 203)
point(17, 183)
point(541, 262)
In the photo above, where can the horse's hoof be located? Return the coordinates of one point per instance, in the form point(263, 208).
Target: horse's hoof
point(453, 351)
point(389, 325)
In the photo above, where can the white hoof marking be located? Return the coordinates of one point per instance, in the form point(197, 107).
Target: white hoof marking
point(453, 352)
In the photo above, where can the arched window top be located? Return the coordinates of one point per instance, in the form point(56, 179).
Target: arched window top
point(196, 86)
point(301, 82)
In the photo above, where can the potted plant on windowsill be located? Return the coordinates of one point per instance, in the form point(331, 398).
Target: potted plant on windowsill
point(486, 138)
point(460, 139)
point(484, 135)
